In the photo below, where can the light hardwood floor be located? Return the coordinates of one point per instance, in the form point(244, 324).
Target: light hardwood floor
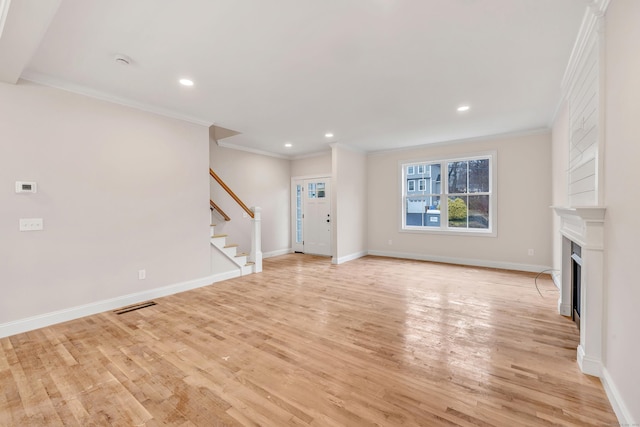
point(375, 341)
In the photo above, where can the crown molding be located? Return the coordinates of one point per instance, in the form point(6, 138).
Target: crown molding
point(4, 10)
point(252, 150)
point(46, 80)
point(270, 154)
point(347, 147)
point(309, 155)
point(600, 6)
point(498, 136)
point(591, 22)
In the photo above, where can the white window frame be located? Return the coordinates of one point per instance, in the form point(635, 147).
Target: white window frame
point(411, 183)
point(411, 170)
point(491, 231)
point(422, 185)
point(420, 169)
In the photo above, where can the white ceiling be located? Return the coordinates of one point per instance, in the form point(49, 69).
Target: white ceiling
point(379, 74)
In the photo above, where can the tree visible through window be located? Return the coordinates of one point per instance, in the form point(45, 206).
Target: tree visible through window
point(469, 193)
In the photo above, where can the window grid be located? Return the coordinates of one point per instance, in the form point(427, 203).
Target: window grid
point(436, 205)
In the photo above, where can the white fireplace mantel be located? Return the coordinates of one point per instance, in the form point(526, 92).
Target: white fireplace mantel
point(585, 226)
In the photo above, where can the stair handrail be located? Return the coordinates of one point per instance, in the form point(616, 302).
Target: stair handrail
point(220, 211)
point(230, 192)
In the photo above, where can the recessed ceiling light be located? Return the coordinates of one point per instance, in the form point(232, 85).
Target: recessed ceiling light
point(288, 145)
point(186, 82)
point(328, 135)
point(463, 108)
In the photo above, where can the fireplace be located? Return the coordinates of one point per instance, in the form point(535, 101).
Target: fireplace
point(576, 282)
point(581, 281)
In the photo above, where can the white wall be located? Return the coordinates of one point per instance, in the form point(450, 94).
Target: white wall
point(119, 190)
point(258, 180)
point(316, 165)
point(524, 197)
point(559, 181)
point(349, 204)
point(622, 233)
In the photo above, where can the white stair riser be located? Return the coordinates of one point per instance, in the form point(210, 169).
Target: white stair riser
point(231, 251)
point(220, 242)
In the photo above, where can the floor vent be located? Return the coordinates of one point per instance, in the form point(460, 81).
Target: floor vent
point(134, 307)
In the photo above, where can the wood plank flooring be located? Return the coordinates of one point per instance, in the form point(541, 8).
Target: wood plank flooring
point(375, 341)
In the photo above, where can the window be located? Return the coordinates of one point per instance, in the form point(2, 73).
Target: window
point(468, 192)
point(462, 201)
point(411, 170)
point(316, 190)
point(299, 190)
point(419, 206)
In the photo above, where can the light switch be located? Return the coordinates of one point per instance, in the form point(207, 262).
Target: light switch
point(31, 224)
point(26, 187)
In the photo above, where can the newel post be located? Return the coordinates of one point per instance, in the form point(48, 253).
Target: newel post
point(256, 240)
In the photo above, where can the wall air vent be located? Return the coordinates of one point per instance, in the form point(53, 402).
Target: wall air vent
point(134, 307)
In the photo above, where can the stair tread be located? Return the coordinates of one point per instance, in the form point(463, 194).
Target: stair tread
point(231, 245)
point(214, 225)
point(250, 263)
point(218, 235)
point(242, 254)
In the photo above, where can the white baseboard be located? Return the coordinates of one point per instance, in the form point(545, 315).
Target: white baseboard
point(564, 309)
point(276, 253)
point(349, 257)
point(587, 364)
point(48, 319)
point(464, 261)
point(617, 403)
point(557, 279)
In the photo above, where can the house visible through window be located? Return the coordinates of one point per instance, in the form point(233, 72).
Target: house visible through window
point(426, 197)
point(454, 195)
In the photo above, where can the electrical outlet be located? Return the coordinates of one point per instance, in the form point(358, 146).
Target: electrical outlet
point(142, 274)
point(31, 224)
point(531, 252)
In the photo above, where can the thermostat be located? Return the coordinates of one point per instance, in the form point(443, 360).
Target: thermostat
point(26, 187)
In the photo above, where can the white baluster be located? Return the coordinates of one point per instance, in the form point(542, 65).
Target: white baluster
point(256, 240)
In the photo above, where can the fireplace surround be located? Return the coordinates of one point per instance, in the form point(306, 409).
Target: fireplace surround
point(584, 226)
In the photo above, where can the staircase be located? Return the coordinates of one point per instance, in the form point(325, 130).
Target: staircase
point(230, 250)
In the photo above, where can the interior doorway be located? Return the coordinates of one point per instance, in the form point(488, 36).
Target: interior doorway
point(312, 215)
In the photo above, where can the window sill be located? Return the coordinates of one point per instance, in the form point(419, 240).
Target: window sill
point(450, 232)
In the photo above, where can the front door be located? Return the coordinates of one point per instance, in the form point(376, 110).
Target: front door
point(312, 222)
